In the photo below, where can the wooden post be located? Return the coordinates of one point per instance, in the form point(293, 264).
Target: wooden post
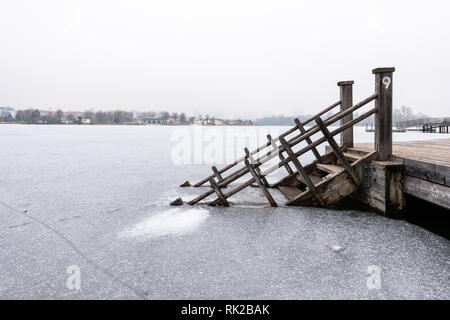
point(346, 94)
point(384, 190)
point(383, 116)
point(308, 139)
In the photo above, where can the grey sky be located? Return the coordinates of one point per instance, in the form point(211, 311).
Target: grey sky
point(228, 58)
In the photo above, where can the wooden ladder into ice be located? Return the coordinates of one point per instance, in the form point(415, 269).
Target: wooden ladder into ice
point(328, 179)
point(331, 176)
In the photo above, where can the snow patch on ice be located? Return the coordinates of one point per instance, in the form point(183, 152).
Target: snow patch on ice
point(170, 222)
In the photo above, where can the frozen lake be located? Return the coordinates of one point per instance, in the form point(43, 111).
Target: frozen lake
point(96, 197)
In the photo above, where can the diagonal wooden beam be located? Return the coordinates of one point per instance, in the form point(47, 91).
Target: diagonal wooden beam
point(338, 152)
point(308, 139)
point(301, 170)
point(217, 173)
point(258, 171)
point(220, 195)
point(280, 155)
point(260, 183)
point(243, 171)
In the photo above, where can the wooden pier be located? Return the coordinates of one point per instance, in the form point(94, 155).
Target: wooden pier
point(426, 124)
point(425, 172)
point(378, 175)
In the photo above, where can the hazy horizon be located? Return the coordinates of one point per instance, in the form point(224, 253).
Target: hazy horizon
point(235, 59)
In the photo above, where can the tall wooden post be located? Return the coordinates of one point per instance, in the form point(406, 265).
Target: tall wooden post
point(383, 116)
point(346, 94)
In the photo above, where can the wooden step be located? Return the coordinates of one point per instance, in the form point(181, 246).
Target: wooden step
point(355, 151)
point(353, 156)
point(290, 192)
point(330, 168)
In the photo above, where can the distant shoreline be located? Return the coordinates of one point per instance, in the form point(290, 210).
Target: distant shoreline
point(153, 125)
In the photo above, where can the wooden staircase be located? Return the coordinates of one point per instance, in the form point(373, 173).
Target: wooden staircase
point(329, 178)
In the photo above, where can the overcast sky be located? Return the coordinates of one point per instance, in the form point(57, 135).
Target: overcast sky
point(226, 58)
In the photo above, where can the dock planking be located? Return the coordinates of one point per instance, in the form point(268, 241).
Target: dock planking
point(428, 151)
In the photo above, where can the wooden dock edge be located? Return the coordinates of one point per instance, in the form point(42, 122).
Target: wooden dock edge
point(428, 191)
point(384, 189)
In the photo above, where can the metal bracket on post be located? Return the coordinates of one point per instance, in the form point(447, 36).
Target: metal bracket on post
point(367, 171)
point(307, 139)
point(220, 195)
point(280, 154)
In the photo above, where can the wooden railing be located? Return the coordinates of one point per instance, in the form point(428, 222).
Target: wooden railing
point(217, 173)
point(291, 143)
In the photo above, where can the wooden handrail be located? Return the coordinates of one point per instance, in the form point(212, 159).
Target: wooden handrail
point(292, 140)
point(299, 153)
point(262, 147)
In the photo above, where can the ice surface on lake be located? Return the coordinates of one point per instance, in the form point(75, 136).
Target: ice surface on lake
point(336, 248)
point(107, 190)
point(170, 222)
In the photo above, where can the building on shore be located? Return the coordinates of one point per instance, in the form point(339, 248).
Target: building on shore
point(7, 114)
point(153, 120)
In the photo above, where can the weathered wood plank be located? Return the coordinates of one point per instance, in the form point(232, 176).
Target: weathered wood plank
point(301, 170)
point(290, 192)
point(284, 134)
point(428, 171)
point(385, 192)
point(257, 170)
point(260, 183)
point(352, 156)
point(331, 191)
point(328, 157)
point(330, 168)
point(356, 151)
point(383, 116)
point(223, 199)
point(434, 151)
